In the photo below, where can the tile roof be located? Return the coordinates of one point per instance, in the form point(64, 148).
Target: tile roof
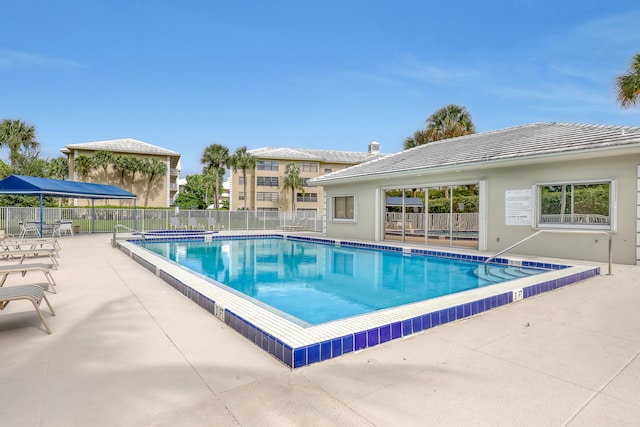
point(126, 145)
point(327, 156)
point(517, 143)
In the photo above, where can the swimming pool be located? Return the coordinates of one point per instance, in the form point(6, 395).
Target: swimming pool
point(297, 345)
point(317, 282)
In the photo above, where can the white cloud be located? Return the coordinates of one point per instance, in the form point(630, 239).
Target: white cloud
point(12, 58)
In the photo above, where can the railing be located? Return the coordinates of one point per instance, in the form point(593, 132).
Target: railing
point(555, 231)
point(115, 231)
point(103, 219)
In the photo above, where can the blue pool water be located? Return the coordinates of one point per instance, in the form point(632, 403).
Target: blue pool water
point(318, 283)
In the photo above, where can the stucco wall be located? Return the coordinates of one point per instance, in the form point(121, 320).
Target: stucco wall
point(500, 179)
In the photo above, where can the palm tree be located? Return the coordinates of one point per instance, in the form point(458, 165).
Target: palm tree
point(15, 135)
point(59, 168)
point(153, 168)
point(135, 165)
point(242, 159)
point(293, 181)
point(449, 122)
point(121, 166)
point(419, 138)
point(628, 84)
point(215, 157)
point(83, 166)
point(103, 159)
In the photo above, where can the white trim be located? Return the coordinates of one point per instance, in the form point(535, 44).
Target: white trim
point(613, 196)
point(355, 209)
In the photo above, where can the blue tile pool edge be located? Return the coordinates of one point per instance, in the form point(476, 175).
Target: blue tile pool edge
point(335, 347)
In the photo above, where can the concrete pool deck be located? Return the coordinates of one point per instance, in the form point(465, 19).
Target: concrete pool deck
point(129, 350)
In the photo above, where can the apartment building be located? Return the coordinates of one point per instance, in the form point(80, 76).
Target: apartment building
point(162, 190)
point(265, 190)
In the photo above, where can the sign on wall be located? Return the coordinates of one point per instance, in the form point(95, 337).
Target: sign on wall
point(519, 207)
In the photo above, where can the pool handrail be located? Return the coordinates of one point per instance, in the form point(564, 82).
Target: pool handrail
point(555, 231)
point(115, 230)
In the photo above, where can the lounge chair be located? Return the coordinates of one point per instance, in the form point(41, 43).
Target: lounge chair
point(9, 243)
point(213, 224)
point(297, 225)
point(174, 223)
point(193, 224)
point(23, 254)
point(33, 293)
point(6, 270)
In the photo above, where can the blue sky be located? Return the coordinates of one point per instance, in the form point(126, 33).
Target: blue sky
point(324, 74)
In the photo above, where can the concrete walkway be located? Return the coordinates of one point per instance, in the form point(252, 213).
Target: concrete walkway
point(129, 350)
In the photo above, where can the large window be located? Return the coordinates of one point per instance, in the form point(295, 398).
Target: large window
point(344, 208)
point(267, 196)
point(264, 165)
point(575, 205)
point(268, 181)
point(308, 167)
point(307, 197)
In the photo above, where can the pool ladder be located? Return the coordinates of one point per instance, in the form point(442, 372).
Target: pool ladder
point(554, 231)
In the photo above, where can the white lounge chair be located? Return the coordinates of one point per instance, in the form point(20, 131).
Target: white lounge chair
point(23, 254)
point(9, 243)
point(174, 223)
point(193, 224)
point(33, 293)
point(213, 224)
point(7, 269)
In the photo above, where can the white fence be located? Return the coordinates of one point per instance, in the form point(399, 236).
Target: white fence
point(103, 220)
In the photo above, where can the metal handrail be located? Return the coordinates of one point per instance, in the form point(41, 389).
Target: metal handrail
point(115, 230)
point(555, 231)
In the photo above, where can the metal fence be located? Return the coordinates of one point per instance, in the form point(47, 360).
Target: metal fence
point(103, 220)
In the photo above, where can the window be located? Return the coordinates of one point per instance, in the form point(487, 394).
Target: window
point(269, 212)
point(241, 195)
point(307, 197)
point(307, 213)
point(328, 169)
point(308, 167)
point(241, 180)
point(268, 181)
point(267, 196)
point(264, 165)
point(575, 205)
point(344, 208)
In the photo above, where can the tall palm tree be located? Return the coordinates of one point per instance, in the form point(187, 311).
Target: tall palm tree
point(16, 134)
point(449, 122)
point(153, 168)
point(83, 165)
point(293, 181)
point(135, 165)
point(628, 84)
point(242, 159)
point(121, 166)
point(214, 158)
point(59, 168)
point(103, 159)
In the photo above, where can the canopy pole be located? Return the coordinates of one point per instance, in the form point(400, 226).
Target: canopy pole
point(41, 212)
point(93, 215)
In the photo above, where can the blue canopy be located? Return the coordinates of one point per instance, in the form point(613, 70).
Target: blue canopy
point(34, 186)
point(22, 185)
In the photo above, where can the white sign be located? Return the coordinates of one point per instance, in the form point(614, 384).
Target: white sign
point(518, 207)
